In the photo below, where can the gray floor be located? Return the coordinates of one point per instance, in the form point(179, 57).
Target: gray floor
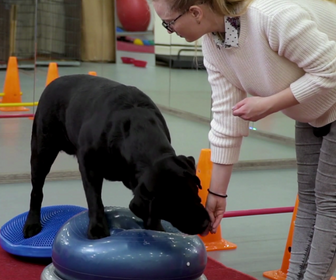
point(261, 239)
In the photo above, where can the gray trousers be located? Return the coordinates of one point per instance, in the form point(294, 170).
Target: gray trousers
point(314, 241)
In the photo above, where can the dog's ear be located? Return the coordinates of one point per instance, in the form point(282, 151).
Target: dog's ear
point(197, 181)
point(192, 159)
point(194, 178)
point(189, 161)
point(187, 167)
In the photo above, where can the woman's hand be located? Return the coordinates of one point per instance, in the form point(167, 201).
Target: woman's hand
point(252, 108)
point(216, 205)
point(216, 208)
point(255, 108)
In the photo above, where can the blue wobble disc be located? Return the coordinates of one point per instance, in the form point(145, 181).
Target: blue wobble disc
point(40, 245)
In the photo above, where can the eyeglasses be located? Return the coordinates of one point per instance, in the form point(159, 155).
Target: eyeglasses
point(168, 24)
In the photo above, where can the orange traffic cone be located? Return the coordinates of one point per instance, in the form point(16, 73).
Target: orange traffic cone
point(52, 72)
point(52, 75)
point(212, 242)
point(282, 272)
point(93, 73)
point(12, 87)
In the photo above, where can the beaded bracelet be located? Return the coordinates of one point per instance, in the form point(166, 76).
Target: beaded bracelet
point(216, 194)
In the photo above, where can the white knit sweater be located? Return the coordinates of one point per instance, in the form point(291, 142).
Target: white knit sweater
point(282, 43)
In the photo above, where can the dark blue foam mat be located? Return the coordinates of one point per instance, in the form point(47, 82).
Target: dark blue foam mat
point(40, 245)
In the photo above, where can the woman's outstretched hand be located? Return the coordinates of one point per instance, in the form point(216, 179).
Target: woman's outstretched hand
point(216, 208)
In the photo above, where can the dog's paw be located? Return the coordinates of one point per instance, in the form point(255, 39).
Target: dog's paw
point(159, 228)
point(31, 230)
point(98, 231)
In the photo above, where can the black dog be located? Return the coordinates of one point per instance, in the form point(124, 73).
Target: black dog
point(117, 133)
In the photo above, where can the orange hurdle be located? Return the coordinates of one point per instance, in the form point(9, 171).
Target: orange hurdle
point(212, 242)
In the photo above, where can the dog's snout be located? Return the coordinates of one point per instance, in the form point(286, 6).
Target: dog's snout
point(205, 224)
point(205, 228)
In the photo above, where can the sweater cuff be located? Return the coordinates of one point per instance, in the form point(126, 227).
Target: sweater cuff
point(303, 89)
point(223, 155)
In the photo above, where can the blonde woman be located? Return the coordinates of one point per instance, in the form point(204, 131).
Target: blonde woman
point(283, 53)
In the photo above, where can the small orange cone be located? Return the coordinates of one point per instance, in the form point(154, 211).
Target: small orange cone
point(93, 73)
point(212, 242)
point(12, 87)
point(52, 72)
point(281, 274)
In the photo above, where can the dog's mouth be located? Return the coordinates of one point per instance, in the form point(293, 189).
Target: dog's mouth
point(192, 230)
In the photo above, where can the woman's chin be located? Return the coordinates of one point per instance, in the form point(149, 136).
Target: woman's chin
point(188, 39)
point(191, 39)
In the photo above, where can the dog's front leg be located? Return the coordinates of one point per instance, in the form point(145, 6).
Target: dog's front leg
point(93, 183)
point(43, 153)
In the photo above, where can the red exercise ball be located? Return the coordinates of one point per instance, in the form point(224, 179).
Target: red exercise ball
point(134, 15)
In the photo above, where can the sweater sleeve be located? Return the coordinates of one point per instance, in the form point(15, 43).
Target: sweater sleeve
point(294, 35)
point(227, 131)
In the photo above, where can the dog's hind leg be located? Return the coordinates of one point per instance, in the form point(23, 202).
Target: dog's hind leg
point(93, 184)
point(43, 154)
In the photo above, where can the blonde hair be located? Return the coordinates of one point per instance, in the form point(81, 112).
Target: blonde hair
point(222, 7)
point(229, 8)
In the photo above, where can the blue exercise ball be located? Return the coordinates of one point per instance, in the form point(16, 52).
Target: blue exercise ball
point(131, 252)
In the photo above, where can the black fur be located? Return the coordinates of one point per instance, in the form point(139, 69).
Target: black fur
point(117, 133)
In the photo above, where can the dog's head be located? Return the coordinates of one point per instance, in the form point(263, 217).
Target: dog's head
point(169, 191)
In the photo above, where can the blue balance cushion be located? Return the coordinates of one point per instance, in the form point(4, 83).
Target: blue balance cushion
point(40, 245)
point(130, 252)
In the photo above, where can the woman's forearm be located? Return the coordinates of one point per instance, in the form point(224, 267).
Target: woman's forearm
point(220, 178)
point(281, 100)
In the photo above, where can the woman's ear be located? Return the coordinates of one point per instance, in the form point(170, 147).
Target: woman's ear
point(197, 13)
